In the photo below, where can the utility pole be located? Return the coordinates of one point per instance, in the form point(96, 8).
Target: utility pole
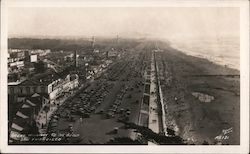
point(117, 39)
point(76, 59)
point(93, 42)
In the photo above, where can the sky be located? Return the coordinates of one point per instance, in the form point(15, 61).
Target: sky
point(161, 22)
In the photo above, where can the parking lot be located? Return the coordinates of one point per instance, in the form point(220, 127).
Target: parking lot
point(94, 113)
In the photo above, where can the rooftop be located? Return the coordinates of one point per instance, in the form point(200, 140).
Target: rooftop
point(14, 83)
point(44, 78)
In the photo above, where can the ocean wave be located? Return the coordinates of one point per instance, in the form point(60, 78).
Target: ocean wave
point(223, 52)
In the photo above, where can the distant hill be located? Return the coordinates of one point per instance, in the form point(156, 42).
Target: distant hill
point(68, 44)
point(53, 44)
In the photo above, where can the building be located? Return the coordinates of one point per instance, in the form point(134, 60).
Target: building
point(41, 52)
point(19, 55)
point(88, 58)
point(50, 84)
point(112, 53)
point(16, 59)
point(22, 53)
point(16, 64)
point(33, 58)
point(69, 57)
point(31, 100)
point(24, 120)
point(96, 51)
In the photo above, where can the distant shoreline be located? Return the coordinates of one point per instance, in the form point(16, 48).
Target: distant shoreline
point(209, 58)
point(22, 42)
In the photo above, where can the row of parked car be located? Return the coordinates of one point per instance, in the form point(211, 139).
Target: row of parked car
point(114, 108)
point(82, 105)
point(113, 73)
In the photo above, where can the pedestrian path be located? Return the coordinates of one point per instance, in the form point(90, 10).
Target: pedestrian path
point(153, 123)
point(43, 117)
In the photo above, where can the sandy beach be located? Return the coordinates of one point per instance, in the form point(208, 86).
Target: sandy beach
point(202, 99)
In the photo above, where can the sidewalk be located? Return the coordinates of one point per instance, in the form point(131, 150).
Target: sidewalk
point(153, 122)
point(41, 118)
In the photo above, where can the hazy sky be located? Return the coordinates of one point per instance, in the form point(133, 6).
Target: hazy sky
point(132, 22)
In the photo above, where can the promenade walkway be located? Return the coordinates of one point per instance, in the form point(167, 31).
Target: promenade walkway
point(154, 120)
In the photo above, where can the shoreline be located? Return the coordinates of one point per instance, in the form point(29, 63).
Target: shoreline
point(215, 60)
point(199, 122)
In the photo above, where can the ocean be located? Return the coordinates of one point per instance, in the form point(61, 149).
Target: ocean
point(223, 51)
